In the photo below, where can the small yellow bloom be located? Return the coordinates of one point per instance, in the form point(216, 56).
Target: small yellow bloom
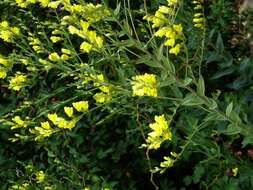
point(102, 97)
point(45, 125)
point(235, 172)
point(66, 51)
point(55, 39)
point(40, 176)
point(85, 47)
point(69, 111)
point(53, 118)
point(54, 57)
point(175, 50)
point(18, 82)
point(81, 106)
point(3, 73)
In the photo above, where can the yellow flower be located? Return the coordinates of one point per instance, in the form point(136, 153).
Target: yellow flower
point(6, 35)
point(69, 111)
point(3, 73)
point(19, 123)
point(175, 50)
point(18, 82)
point(235, 172)
point(54, 57)
point(85, 47)
point(44, 3)
point(53, 118)
point(144, 85)
point(45, 125)
point(102, 97)
point(55, 39)
point(170, 42)
point(172, 2)
point(66, 51)
point(160, 133)
point(65, 57)
point(40, 176)
point(81, 106)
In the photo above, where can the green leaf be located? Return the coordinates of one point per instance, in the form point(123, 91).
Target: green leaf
point(232, 130)
point(215, 116)
point(229, 109)
point(201, 86)
point(192, 100)
point(198, 173)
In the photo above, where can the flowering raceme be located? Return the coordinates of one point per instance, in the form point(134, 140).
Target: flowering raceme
point(160, 133)
point(144, 85)
point(8, 33)
point(199, 20)
point(172, 32)
point(18, 81)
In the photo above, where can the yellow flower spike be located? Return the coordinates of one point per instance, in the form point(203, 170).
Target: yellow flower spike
point(54, 57)
point(81, 106)
point(69, 111)
point(160, 133)
point(18, 81)
point(85, 47)
point(53, 117)
point(144, 85)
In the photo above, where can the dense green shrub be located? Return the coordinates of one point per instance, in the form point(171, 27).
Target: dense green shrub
point(125, 95)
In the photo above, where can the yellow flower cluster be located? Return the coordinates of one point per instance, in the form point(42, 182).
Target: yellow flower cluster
point(45, 130)
point(144, 85)
point(36, 44)
point(4, 66)
point(94, 42)
point(104, 95)
point(55, 57)
point(25, 3)
point(18, 81)
point(160, 133)
point(19, 123)
point(160, 18)
point(171, 32)
point(92, 13)
point(40, 176)
point(199, 20)
point(167, 163)
point(8, 33)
